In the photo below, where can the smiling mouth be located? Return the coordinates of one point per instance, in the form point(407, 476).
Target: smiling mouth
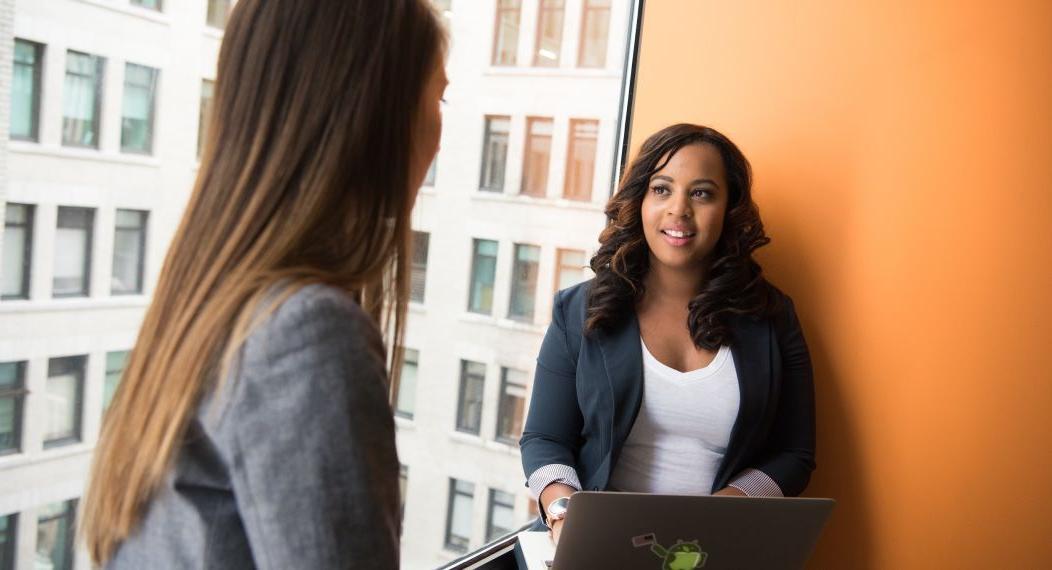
point(678, 234)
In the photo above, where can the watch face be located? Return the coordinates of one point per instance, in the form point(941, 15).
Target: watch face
point(557, 508)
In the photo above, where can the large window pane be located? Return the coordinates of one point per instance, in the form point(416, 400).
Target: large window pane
point(12, 399)
point(73, 242)
point(595, 28)
point(25, 90)
point(82, 99)
point(506, 32)
point(494, 153)
point(115, 362)
point(65, 395)
point(538, 156)
point(458, 518)
point(483, 274)
point(140, 92)
point(524, 282)
point(218, 11)
point(418, 277)
point(580, 159)
point(472, 388)
point(500, 519)
point(204, 112)
point(405, 404)
point(55, 530)
point(129, 251)
point(571, 268)
point(17, 251)
point(510, 416)
point(549, 33)
point(8, 541)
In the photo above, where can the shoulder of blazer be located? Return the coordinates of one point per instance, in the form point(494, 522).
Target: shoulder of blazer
point(570, 308)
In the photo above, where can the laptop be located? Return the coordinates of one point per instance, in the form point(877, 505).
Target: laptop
point(673, 532)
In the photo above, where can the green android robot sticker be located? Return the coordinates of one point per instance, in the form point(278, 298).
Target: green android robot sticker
point(683, 555)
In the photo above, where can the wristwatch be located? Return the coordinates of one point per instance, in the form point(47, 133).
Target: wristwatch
point(557, 509)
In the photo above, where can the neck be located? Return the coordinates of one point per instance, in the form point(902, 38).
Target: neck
point(665, 285)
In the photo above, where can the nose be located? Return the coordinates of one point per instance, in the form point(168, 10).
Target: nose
point(679, 206)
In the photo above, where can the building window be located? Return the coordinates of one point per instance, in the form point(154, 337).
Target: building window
point(129, 252)
point(571, 268)
point(12, 398)
point(65, 396)
point(418, 275)
point(55, 535)
point(140, 92)
point(17, 252)
point(150, 4)
point(73, 242)
point(580, 160)
point(432, 171)
point(469, 403)
point(595, 28)
point(458, 516)
point(549, 33)
point(500, 520)
point(205, 112)
point(506, 32)
point(524, 282)
point(8, 540)
point(115, 363)
point(405, 404)
point(494, 153)
point(218, 12)
point(403, 486)
point(538, 153)
point(82, 101)
point(25, 90)
point(512, 405)
point(483, 274)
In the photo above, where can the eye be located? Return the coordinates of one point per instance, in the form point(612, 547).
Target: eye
point(659, 190)
point(701, 194)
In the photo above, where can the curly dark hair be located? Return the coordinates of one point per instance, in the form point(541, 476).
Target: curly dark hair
point(734, 285)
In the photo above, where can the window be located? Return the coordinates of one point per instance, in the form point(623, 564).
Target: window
point(140, 92)
point(458, 517)
point(18, 251)
point(494, 153)
point(151, 4)
point(570, 268)
point(483, 274)
point(73, 252)
point(129, 251)
point(405, 404)
point(82, 100)
point(432, 171)
point(55, 536)
point(500, 519)
point(25, 90)
point(506, 32)
point(549, 33)
point(8, 540)
point(580, 160)
point(512, 405)
point(418, 275)
point(595, 27)
point(65, 394)
point(115, 363)
point(524, 282)
point(205, 112)
point(218, 11)
point(538, 152)
point(403, 486)
point(469, 404)
point(12, 397)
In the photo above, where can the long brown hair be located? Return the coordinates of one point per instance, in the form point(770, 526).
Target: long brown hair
point(305, 178)
point(735, 284)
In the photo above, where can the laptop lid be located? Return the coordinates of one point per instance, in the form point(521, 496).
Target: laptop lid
point(672, 532)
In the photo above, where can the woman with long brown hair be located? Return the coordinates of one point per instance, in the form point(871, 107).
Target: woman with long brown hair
point(679, 369)
point(252, 424)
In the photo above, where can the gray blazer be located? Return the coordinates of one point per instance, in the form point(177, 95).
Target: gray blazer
point(293, 463)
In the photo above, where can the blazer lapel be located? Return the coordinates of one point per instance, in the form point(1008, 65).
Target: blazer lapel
point(623, 363)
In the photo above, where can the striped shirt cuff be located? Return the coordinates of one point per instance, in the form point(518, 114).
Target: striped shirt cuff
point(756, 483)
point(552, 473)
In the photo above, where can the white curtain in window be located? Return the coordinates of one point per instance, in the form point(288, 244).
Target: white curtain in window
point(61, 406)
point(79, 89)
point(11, 266)
point(70, 247)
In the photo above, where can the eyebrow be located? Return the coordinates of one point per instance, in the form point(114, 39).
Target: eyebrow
point(692, 183)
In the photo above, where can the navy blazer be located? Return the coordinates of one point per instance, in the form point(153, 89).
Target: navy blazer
point(588, 389)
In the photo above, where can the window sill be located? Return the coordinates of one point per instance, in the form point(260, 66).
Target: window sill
point(558, 72)
point(487, 196)
point(503, 323)
point(24, 459)
point(22, 147)
point(464, 437)
point(43, 305)
point(147, 14)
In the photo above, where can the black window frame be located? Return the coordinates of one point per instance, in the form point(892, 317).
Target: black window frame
point(100, 83)
point(27, 250)
point(17, 392)
point(10, 544)
point(89, 248)
point(486, 184)
point(152, 121)
point(449, 543)
point(518, 284)
point(462, 425)
point(490, 534)
point(418, 265)
point(38, 73)
point(69, 512)
point(476, 244)
point(78, 412)
point(501, 435)
point(142, 229)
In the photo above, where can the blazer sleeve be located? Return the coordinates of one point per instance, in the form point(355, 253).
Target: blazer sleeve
point(553, 425)
point(311, 438)
point(789, 455)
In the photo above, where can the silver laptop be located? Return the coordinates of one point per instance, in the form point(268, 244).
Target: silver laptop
point(672, 532)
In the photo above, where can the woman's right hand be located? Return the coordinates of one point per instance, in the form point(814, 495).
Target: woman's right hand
point(555, 530)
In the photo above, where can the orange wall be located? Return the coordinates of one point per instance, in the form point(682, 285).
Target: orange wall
point(902, 155)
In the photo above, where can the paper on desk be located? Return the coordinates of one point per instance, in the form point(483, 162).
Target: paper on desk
point(537, 547)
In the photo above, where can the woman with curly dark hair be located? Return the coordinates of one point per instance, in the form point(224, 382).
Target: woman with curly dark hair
point(678, 369)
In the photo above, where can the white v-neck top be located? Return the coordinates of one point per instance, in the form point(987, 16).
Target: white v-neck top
point(683, 428)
